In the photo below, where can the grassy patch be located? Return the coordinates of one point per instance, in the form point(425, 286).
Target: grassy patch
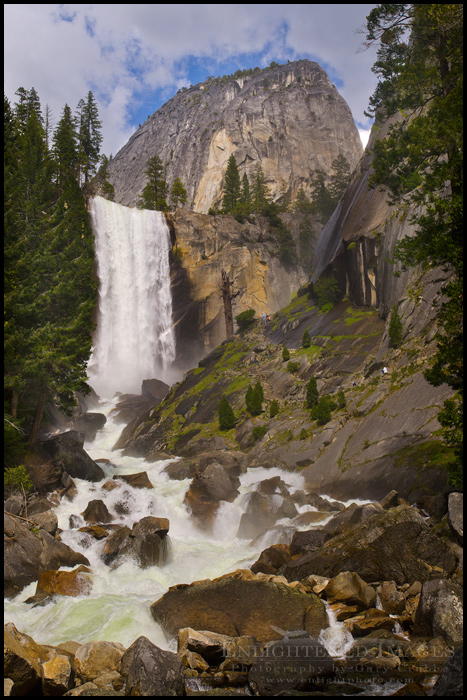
point(432, 454)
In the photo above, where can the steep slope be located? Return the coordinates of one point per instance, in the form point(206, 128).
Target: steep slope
point(289, 119)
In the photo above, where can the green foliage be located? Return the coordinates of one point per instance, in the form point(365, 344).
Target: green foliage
point(16, 478)
point(327, 292)
point(274, 408)
point(245, 319)
point(50, 291)
point(178, 195)
point(254, 399)
point(258, 432)
point(303, 434)
point(14, 447)
point(321, 412)
point(395, 328)
point(306, 340)
point(420, 69)
point(341, 400)
point(312, 394)
point(293, 367)
point(154, 193)
point(226, 415)
point(326, 198)
point(231, 194)
point(285, 354)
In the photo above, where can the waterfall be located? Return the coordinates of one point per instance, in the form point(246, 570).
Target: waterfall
point(134, 339)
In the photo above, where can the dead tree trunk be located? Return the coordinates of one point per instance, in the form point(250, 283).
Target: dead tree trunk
point(227, 299)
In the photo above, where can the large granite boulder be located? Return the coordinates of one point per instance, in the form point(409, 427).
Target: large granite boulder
point(66, 451)
point(393, 545)
point(440, 611)
point(151, 671)
point(27, 554)
point(239, 606)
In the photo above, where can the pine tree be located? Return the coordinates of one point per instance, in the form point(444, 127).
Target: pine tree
point(89, 136)
point(64, 148)
point(312, 394)
point(226, 415)
point(420, 70)
point(231, 192)
point(395, 328)
point(339, 178)
point(104, 187)
point(178, 195)
point(154, 193)
point(306, 340)
point(260, 196)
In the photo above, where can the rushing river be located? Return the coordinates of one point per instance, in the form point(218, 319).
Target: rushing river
point(118, 607)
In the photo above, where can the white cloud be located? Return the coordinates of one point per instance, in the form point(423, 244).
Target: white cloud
point(125, 52)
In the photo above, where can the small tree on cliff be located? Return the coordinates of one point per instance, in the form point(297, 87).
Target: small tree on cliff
point(178, 195)
point(231, 186)
point(226, 415)
point(154, 193)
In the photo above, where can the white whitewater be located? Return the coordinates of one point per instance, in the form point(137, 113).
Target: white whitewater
point(134, 339)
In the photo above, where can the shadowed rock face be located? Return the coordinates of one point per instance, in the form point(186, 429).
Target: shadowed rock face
point(290, 119)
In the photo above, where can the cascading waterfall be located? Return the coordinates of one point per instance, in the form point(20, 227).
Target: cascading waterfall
point(134, 339)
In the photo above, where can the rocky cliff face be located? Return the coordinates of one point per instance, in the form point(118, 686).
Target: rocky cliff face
point(203, 246)
point(290, 119)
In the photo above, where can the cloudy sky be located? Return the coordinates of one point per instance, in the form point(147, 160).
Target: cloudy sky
point(135, 57)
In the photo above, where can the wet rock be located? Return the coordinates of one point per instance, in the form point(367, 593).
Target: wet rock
point(94, 658)
point(207, 490)
point(262, 512)
point(96, 512)
point(271, 559)
point(305, 541)
point(151, 671)
point(89, 424)
point(66, 451)
point(368, 621)
point(392, 600)
point(64, 583)
point(27, 554)
point(47, 521)
point(137, 481)
point(234, 606)
point(292, 664)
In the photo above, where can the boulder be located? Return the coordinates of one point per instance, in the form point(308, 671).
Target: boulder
point(66, 451)
point(235, 606)
point(295, 663)
point(154, 389)
point(95, 658)
point(450, 683)
point(57, 675)
point(440, 611)
point(89, 424)
point(392, 600)
point(137, 481)
point(27, 554)
point(96, 512)
point(368, 621)
point(207, 490)
point(347, 587)
point(271, 559)
point(393, 544)
point(65, 583)
point(146, 542)
point(20, 663)
point(262, 512)
point(151, 671)
point(305, 541)
point(217, 648)
point(47, 521)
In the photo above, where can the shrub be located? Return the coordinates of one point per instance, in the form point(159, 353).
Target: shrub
point(274, 408)
point(245, 319)
point(16, 478)
point(312, 394)
point(303, 434)
point(328, 292)
point(395, 328)
point(258, 432)
point(306, 340)
point(321, 412)
point(293, 367)
point(226, 415)
point(341, 400)
point(285, 355)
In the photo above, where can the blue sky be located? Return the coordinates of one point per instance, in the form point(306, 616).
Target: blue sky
point(135, 57)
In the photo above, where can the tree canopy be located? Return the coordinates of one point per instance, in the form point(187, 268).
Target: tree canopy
point(420, 68)
point(50, 291)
